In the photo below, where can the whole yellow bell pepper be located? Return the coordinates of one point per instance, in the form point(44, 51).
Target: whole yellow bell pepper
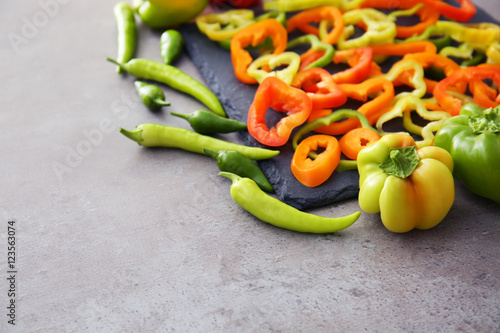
point(409, 187)
point(163, 14)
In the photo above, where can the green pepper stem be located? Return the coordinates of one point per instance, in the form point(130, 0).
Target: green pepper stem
point(161, 102)
point(233, 177)
point(181, 115)
point(212, 153)
point(401, 162)
point(119, 64)
point(135, 135)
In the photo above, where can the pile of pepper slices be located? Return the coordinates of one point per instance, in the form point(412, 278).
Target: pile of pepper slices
point(444, 64)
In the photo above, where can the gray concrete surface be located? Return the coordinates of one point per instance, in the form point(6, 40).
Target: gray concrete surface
point(113, 237)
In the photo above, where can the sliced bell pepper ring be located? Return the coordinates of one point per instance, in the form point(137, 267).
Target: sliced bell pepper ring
point(403, 107)
point(257, 68)
point(466, 11)
point(298, 5)
point(384, 4)
point(416, 80)
point(480, 35)
point(402, 49)
point(431, 59)
point(493, 52)
point(379, 28)
point(428, 16)
point(372, 109)
point(255, 34)
point(327, 51)
point(275, 94)
point(318, 83)
point(451, 104)
point(304, 22)
point(356, 140)
point(331, 119)
point(360, 61)
point(314, 172)
point(212, 25)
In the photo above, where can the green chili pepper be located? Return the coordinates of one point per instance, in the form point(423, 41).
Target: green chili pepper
point(235, 162)
point(173, 77)
point(247, 194)
point(478, 57)
point(207, 122)
point(171, 45)
point(156, 135)
point(127, 32)
point(441, 42)
point(152, 96)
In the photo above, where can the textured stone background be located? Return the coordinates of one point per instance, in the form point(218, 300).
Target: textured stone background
point(129, 239)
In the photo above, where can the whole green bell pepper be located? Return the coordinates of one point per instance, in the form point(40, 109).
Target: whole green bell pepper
point(473, 140)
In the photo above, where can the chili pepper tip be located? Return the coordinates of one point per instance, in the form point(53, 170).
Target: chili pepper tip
point(135, 135)
point(233, 177)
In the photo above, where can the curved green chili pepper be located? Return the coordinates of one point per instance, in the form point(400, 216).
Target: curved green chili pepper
point(127, 32)
point(171, 45)
point(478, 57)
point(173, 77)
point(441, 42)
point(152, 96)
point(207, 122)
point(247, 194)
point(316, 45)
point(237, 163)
point(156, 135)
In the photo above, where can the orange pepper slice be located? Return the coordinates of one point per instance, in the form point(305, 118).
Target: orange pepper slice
point(306, 20)
point(355, 140)
point(314, 172)
point(255, 34)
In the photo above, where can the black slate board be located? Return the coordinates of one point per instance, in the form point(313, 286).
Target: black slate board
point(214, 64)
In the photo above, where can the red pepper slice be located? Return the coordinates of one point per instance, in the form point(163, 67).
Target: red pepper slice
point(384, 4)
point(372, 109)
point(360, 61)
point(255, 34)
point(483, 98)
point(321, 88)
point(275, 94)
point(307, 20)
point(466, 11)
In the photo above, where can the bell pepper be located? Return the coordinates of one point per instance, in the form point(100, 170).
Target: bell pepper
point(306, 20)
point(223, 26)
point(327, 51)
point(451, 104)
point(272, 61)
point(253, 35)
point(164, 14)
point(409, 187)
point(314, 172)
point(473, 140)
point(355, 140)
point(318, 83)
point(379, 28)
point(403, 108)
point(275, 94)
point(493, 52)
point(428, 16)
point(466, 11)
point(402, 49)
point(416, 80)
point(384, 4)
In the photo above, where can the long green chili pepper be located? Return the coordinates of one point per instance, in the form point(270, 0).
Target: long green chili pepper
point(235, 162)
point(173, 77)
point(156, 135)
point(207, 122)
point(171, 45)
point(247, 194)
point(152, 96)
point(127, 32)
